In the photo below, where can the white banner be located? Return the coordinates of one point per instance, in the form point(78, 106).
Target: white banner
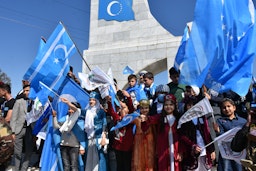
point(224, 144)
point(36, 111)
point(203, 107)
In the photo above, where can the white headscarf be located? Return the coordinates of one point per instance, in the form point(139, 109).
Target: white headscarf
point(91, 112)
point(70, 121)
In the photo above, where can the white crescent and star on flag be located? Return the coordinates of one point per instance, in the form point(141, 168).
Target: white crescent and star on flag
point(109, 8)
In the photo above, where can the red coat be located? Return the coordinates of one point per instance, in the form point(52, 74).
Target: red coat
point(124, 143)
point(162, 143)
point(188, 138)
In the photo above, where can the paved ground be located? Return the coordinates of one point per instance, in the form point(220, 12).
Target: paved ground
point(11, 168)
point(34, 159)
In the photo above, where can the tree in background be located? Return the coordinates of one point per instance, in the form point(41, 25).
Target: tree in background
point(4, 78)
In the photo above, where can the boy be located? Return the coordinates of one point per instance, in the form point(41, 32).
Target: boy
point(133, 90)
point(150, 87)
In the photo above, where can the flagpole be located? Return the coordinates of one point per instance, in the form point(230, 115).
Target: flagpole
point(43, 38)
point(49, 88)
point(205, 91)
point(208, 144)
point(76, 46)
point(50, 104)
point(213, 118)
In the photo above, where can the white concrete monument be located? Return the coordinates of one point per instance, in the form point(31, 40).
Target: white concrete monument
point(143, 44)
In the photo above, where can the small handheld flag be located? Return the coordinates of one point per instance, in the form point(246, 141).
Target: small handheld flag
point(128, 70)
point(125, 121)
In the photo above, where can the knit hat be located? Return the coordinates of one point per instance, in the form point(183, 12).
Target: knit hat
point(170, 97)
point(162, 88)
point(94, 95)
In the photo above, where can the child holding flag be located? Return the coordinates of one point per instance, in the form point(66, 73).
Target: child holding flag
point(195, 134)
point(228, 121)
point(123, 140)
point(69, 145)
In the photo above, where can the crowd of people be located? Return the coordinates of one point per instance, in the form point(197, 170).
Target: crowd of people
point(150, 142)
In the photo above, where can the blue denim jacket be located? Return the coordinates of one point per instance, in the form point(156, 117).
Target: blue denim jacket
point(225, 124)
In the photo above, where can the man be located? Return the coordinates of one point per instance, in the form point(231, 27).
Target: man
point(7, 106)
point(21, 131)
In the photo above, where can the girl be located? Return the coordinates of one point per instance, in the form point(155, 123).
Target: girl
point(228, 121)
point(195, 134)
point(95, 127)
point(69, 145)
point(167, 145)
point(143, 157)
point(123, 140)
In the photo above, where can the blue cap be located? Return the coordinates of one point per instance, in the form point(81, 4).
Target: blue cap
point(95, 95)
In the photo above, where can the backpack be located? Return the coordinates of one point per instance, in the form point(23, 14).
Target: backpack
point(6, 141)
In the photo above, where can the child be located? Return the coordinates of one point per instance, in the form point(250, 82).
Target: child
point(133, 90)
point(168, 147)
point(69, 145)
point(158, 101)
point(191, 92)
point(143, 157)
point(95, 127)
point(123, 141)
point(228, 121)
point(175, 88)
point(195, 134)
point(150, 87)
point(141, 80)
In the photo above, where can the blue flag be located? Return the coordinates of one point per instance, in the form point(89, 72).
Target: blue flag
point(128, 70)
point(120, 10)
point(74, 93)
point(125, 121)
point(221, 46)
point(40, 123)
point(51, 65)
point(51, 156)
point(182, 49)
point(43, 93)
point(114, 100)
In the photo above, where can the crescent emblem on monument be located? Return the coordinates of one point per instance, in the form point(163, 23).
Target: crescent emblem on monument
point(109, 8)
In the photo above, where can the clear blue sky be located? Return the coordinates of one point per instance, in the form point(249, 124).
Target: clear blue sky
point(22, 24)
